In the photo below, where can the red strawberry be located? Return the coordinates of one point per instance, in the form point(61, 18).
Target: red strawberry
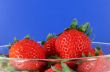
point(49, 45)
point(94, 52)
point(102, 65)
point(97, 65)
point(73, 41)
point(86, 66)
point(27, 49)
point(57, 66)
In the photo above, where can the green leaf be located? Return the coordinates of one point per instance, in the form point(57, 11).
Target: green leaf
point(15, 40)
point(83, 55)
point(84, 27)
point(55, 69)
point(49, 64)
point(97, 50)
point(65, 68)
point(74, 24)
point(42, 42)
point(89, 33)
point(50, 36)
point(2, 56)
point(27, 36)
point(10, 68)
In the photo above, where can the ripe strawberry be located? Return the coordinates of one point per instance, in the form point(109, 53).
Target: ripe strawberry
point(100, 64)
point(49, 45)
point(57, 66)
point(73, 41)
point(94, 52)
point(27, 49)
point(86, 66)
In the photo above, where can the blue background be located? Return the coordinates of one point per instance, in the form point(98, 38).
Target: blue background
point(40, 17)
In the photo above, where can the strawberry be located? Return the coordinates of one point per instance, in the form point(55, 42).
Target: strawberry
point(94, 52)
point(49, 45)
point(27, 49)
point(73, 41)
point(86, 66)
point(100, 64)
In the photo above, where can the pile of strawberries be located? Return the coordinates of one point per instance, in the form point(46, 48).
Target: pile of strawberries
point(73, 42)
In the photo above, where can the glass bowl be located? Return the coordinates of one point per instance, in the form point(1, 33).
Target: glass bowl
point(90, 64)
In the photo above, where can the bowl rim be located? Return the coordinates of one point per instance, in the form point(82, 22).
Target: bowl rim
point(66, 59)
point(94, 57)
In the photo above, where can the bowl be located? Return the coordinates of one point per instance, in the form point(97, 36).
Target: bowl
point(89, 64)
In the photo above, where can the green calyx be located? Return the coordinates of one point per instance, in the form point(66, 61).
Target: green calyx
point(83, 55)
point(65, 68)
point(89, 55)
point(97, 50)
point(42, 42)
point(27, 37)
point(96, 53)
point(83, 28)
point(49, 36)
point(74, 24)
point(15, 40)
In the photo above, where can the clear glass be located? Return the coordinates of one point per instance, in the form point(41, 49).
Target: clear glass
point(102, 63)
